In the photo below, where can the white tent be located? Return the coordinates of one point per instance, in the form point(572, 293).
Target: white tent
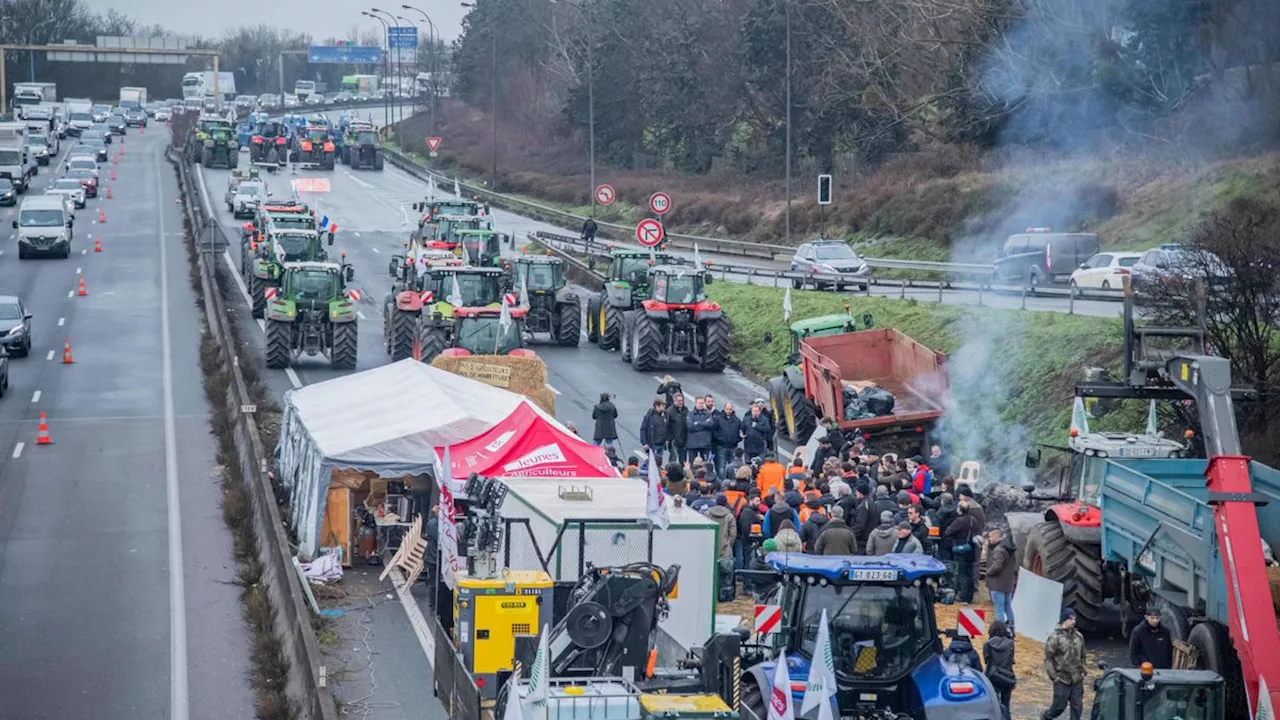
point(388, 420)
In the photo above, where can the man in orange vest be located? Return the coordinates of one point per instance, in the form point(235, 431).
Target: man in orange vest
point(770, 476)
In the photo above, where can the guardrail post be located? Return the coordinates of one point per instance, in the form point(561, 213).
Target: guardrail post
point(775, 281)
point(902, 290)
point(1024, 297)
point(981, 287)
point(1071, 301)
point(940, 292)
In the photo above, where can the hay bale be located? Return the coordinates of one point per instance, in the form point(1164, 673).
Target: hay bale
point(524, 375)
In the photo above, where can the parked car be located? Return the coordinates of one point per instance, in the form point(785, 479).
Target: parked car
point(1105, 270)
point(834, 257)
point(69, 188)
point(15, 329)
point(8, 193)
point(1038, 256)
point(1171, 264)
point(88, 180)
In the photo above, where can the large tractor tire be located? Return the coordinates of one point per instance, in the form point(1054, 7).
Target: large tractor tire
point(328, 161)
point(570, 330)
point(593, 320)
point(257, 300)
point(279, 344)
point(346, 341)
point(233, 159)
point(799, 417)
point(1050, 555)
point(206, 157)
point(610, 326)
point(402, 331)
point(646, 343)
point(378, 162)
point(715, 354)
point(1215, 652)
point(433, 343)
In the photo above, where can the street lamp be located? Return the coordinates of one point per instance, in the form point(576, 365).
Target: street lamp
point(435, 45)
point(591, 106)
point(414, 25)
point(787, 231)
point(386, 108)
point(493, 98)
point(392, 98)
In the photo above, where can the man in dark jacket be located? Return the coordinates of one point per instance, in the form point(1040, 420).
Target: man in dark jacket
point(678, 429)
point(701, 426)
point(998, 654)
point(726, 434)
point(1151, 642)
point(882, 501)
point(975, 510)
point(864, 514)
point(669, 388)
point(959, 537)
point(919, 528)
point(1002, 574)
point(778, 512)
point(837, 538)
point(757, 431)
point(820, 455)
point(606, 417)
point(813, 525)
point(654, 429)
point(748, 516)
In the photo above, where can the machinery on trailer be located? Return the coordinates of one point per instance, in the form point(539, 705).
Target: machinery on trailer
point(626, 286)
point(312, 313)
point(553, 308)
point(1144, 523)
point(676, 320)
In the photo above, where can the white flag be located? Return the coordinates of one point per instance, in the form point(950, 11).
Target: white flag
point(455, 293)
point(524, 288)
point(1152, 427)
point(515, 703)
point(697, 259)
point(457, 191)
point(822, 674)
point(280, 253)
point(655, 503)
point(420, 264)
point(780, 696)
point(786, 306)
point(504, 315)
point(540, 677)
point(450, 563)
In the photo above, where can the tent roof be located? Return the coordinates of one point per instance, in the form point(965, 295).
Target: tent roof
point(529, 443)
point(382, 414)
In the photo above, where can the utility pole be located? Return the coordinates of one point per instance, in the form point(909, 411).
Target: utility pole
point(493, 104)
point(787, 223)
point(435, 45)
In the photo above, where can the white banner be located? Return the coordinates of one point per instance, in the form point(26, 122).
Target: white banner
point(450, 563)
point(1033, 597)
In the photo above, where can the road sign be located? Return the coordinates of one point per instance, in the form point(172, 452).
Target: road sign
point(824, 189)
point(433, 144)
point(605, 195)
point(347, 54)
point(649, 232)
point(971, 622)
point(660, 203)
point(402, 38)
point(768, 619)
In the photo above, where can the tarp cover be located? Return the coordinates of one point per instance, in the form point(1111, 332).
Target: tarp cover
point(530, 444)
point(387, 420)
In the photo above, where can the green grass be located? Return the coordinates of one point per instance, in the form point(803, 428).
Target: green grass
point(1038, 356)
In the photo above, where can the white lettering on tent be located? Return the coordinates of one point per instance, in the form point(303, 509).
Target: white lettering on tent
point(540, 456)
point(499, 441)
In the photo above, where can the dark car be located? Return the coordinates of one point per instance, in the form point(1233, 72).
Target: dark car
point(1178, 266)
point(1038, 256)
point(117, 124)
point(8, 193)
point(832, 257)
point(105, 129)
point(135, 117)
point(87, 180)
point(15, 326)
point(94, 139)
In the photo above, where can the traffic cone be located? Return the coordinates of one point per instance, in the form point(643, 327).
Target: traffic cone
point(113, 174)
point(102, 216)
point(97, 244)
point(66, 353)
point(82, 291)
point(109, 197)
point(42, 433)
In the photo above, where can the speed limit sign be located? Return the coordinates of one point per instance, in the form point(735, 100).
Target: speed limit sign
point(660, 203)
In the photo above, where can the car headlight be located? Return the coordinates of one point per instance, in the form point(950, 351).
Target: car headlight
point(16, 331)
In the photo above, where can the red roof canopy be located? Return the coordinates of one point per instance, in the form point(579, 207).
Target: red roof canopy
point(528, 444)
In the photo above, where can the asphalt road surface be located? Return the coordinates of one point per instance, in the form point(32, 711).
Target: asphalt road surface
point(116, 569)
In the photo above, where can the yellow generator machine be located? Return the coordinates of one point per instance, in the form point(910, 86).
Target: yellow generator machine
point(488, 614)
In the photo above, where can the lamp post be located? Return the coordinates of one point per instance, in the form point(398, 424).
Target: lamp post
point(414, 25)
point(493, 98)
point(386, 106)
point(787, 223)
point(392, 98)
point(591, 108)
point(435, 45)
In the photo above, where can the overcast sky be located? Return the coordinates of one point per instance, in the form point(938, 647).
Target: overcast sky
point(320, 18)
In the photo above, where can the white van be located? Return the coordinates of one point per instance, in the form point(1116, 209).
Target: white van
point(44, 226)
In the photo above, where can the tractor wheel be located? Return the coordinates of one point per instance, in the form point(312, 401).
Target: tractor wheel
point(610, 326)
point(233, 159)
point(715, 353)
point(433, 343)
point(646, 343)
point(279, 344)
point(1215, 652)
point(328, 161)
point(752, 705)
point(346, 341)
point(257, 300)
point(206, 157)
point(798, 414)
point(570, 323)
point(1050, 555)
point(404, 328)
point(593, 320)
point(378, 161)
point(626, 347)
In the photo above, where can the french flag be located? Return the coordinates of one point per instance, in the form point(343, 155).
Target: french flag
point(324, 222)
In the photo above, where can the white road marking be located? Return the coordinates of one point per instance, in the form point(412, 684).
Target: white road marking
point(179, 696)
point(84, 251)
point(357, 234)
point(71, 293)
point(35, 397)
point(235, 274)
point(377, 251)
point(293, 377)
point(552, 389)
point(49, 356)
point(17, 450)
point(359, 314)
point(78, 271)
point(62, 321)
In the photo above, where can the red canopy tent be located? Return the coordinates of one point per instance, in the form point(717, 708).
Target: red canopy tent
point(528, 443)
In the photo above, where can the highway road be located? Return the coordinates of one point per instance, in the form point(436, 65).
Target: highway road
point(117, 595)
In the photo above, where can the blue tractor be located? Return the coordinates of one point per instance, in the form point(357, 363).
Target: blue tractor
point(888, 652)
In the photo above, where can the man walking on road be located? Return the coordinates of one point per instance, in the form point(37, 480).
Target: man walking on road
point(1151, 642)
point(1064, 664)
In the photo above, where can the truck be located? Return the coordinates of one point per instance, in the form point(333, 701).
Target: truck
point(79, 115)
point(17, 163)
point(33, 93)
point(1189, 532)
point(200, 84)
point(133, 98)
point(842, 377)
point(360, 84)
point(304, 89)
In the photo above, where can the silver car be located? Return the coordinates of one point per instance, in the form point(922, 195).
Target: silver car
point(69, 188)
point(830, 257)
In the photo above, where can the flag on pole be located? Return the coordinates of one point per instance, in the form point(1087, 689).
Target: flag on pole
point(524, 291)
point(1079, 420)
point(539, 677)
point(780, 695)
point(420, 264)
point(324, 222)
point(786, 306)
point(279, 250)
point(457, 191)
point(822, 675)
point(655, 503)
point(697, 259)
point(448, 541)
point(504, 316)
point(1152, 427)
point(455, 293)
point(515, 703)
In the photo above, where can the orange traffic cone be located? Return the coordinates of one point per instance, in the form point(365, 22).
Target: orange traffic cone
point(113, 174)
point(42, 433)
point(102, 215)
point(97, 244)
point(66, 353)
point(109, 193)
point(82, 291)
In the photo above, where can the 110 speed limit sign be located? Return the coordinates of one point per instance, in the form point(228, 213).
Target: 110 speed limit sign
point(660, 203)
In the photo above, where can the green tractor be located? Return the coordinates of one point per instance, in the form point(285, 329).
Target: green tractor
point(794, 415)
point(676, 320)
point(418, 313)
point(481, 247)
point(220, 148)
point(201, 132)
point(263, 261)
point(553, 308)
point(361, 148)
point(627, 285)
point(312, 313)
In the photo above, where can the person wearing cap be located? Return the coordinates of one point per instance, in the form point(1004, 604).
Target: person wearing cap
point(907, 542)
point(885, 537)
point(1151, 642)
point(757, 430)
point(1064, 664)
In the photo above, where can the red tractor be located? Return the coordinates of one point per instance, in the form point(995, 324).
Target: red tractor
point(676, 321)
point(269, 145)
